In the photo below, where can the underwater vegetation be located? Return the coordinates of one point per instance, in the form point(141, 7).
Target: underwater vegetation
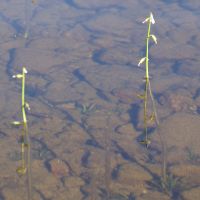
point(86, 108)
point(171, 186)
point(25, 168)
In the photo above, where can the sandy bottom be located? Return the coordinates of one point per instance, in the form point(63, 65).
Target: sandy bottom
point(82, 85)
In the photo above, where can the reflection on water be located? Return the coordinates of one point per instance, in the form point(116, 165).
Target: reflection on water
point(86, 118)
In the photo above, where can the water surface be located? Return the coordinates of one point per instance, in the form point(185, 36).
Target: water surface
point(82, 85)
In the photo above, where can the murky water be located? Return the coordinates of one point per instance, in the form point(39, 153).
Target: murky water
point(86, 119)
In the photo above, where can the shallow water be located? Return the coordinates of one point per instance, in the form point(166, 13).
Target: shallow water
point(86, 120)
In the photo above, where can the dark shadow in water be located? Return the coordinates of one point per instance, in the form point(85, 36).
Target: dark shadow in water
point(184, 4)
point(40, 151)
point(96, 9)
point(87, 179)
point(17, 26)
point(42, 197)
point(15, 23)
point(96, 57)
point(100, 93)
point(131, 196)
point(85, 158)
point(103, 193)
point(1, 197)
point(94, 34)
point(177, 64)
point(152, 154)
point(93, 142)
point(2, 135)
point(71, 3)
point(115, 172)
point(134, 115)
point(33, 91)
point(141, 137)
point(175, 67)
point(198, 110)
point(80, 76)
point(169, 1)
point(9, 65)
point(123, 153)
point(197, 93)
point(84, 193)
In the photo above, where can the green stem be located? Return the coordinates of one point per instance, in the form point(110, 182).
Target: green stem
point(146, 80)
point(23, 96)
point(147, 48)
point(145, 109)
point(26, 135)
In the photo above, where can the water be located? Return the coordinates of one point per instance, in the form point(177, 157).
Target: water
point(86, 119)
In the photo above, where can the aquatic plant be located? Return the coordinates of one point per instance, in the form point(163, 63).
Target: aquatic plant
point(145, 97)
point(153, 117)
point(86, 108)
point(192, 157)
point(171, 186)
point(25, 167)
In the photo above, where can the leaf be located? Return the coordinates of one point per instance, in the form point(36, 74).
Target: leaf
point(146, 20)
point(141, 61)
point(16, 123)
point(146, 142)
point(140, 96)
point(152, 117)
point(21, 170)
point(154, 38)
point(25, 70)
point(17, 76)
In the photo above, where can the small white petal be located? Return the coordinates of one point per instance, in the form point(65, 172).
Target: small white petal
point(152, 19)
point(16, 123)
point(146, 20)
point(25, 70)
point(141, 61)
point(27, 106)
point(17, 76)
point(154, 38)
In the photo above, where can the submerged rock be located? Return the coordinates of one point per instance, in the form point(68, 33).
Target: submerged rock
point(192, 194)
point(133, 174)
point(178, 101)
point(59, 168)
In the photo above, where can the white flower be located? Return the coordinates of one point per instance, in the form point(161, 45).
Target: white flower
point(25, 70)
point(152, 20)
